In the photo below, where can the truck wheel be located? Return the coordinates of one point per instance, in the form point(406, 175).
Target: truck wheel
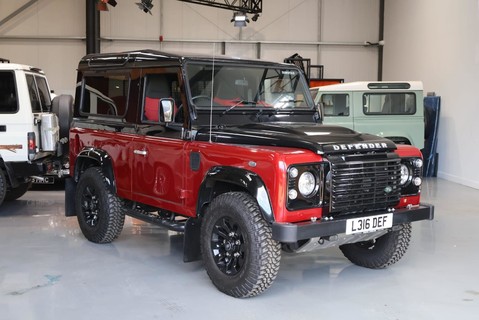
point(3, 186)
point(100, 212)
point(240, 256)
point(381, 252)
point(19, 191)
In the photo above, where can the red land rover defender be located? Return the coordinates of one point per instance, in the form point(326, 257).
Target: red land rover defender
point(233, 154)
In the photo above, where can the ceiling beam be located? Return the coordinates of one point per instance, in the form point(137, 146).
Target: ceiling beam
point(17, 12)
point(247, 6)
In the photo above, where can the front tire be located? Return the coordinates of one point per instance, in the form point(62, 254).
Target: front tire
point(381, 252)
point(240, 256)
point(100, 212)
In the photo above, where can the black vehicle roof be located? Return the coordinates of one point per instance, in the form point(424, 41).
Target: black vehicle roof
point(148, 57)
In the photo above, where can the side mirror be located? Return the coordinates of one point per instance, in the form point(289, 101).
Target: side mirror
point(166, 110)
point(320, 107)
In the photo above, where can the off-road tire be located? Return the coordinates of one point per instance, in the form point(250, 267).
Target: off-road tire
point(381, 252)
point(233, 225)
point(19, 191)
point(3, 186)
point(100, 212)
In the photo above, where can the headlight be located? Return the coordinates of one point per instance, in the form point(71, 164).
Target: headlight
point(307, 185)
point(304, 186)
point(405, 174)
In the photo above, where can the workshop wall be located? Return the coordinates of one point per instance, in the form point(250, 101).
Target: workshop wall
point(437, 41)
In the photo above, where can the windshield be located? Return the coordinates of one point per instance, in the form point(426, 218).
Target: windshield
point(257, 87)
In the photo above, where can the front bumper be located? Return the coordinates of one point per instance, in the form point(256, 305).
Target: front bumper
point(292, 232)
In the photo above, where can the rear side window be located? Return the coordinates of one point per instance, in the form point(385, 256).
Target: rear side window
point(336, 104)
point(8, 94)
point(39, 94)
point(105, 94)
point(389, 103)
point(43, 92)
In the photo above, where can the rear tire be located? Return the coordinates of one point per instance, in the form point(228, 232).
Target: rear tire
point(99, 212)
point(19, 191)
point(381, 252)
point(240, 256)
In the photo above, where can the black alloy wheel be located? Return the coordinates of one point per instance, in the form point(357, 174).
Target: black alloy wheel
point(227, 245)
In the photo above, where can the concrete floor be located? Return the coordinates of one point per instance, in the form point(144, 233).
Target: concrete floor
point(48, 270)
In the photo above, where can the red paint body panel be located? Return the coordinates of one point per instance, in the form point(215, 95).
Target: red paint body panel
point(404, 150)
point(164, 179)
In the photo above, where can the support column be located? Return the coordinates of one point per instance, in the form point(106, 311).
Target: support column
point(381, 38)
point(92, 27)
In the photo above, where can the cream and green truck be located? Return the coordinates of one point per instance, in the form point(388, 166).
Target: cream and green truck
point(394, 110)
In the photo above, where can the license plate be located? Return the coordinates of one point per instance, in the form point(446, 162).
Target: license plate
point(369, 224)
point(44, 180)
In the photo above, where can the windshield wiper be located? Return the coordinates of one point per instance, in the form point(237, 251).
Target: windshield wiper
point(238, 102)
point(284, 102)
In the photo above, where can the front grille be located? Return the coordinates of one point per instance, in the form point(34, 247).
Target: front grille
point(362, 184)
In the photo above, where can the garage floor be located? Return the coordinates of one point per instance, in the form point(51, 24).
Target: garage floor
point(49, 271)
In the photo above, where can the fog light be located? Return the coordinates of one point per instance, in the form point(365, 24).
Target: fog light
point(292, 194)
point(417, 181)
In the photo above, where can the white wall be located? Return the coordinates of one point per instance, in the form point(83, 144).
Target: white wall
point(59, 24)
point(437, 41)
point(50, 34)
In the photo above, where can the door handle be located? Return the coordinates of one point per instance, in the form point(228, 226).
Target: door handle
point(141, 152)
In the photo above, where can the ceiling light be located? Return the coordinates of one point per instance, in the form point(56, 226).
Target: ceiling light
point(240, 19)
point(145, 5)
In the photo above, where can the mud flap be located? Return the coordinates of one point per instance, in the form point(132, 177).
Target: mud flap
point(191, 241)
point(70, 187)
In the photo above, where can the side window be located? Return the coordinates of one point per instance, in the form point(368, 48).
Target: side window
point(399, 103)
point(336, 104)
point(161, 84)
point(8, 94)
point(105, 94)
point(44, 93)
point(34, 95)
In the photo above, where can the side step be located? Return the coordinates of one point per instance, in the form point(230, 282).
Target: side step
point(170, 224)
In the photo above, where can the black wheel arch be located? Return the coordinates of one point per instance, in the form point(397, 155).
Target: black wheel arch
point(87, 158)
point(92, 157)
point(222, 179)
